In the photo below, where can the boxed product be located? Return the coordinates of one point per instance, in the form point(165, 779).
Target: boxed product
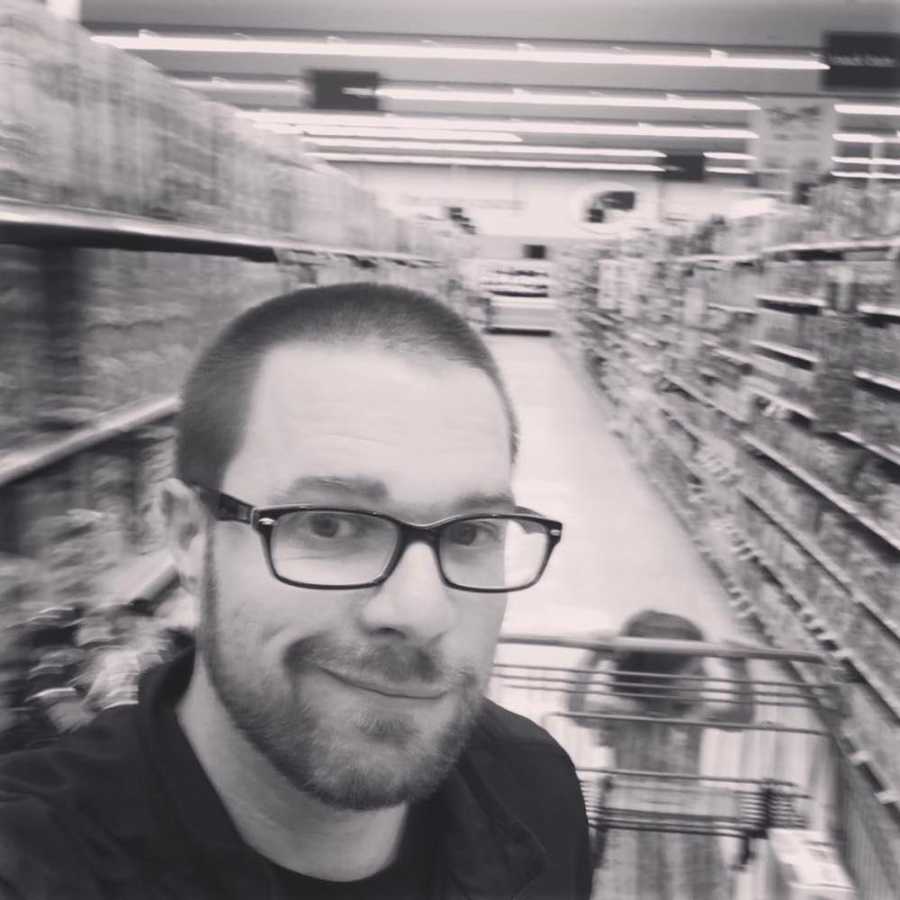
point(69, 558)
point(22, 141)
point(804, 865)
point(153, 463)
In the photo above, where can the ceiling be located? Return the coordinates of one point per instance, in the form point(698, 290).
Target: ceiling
point(781, 27)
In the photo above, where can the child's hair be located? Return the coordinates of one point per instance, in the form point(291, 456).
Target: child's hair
point(634, 671)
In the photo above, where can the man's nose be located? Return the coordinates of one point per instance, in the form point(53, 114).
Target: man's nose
point(414, 601)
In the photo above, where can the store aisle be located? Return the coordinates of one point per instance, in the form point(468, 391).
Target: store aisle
point(623, 549)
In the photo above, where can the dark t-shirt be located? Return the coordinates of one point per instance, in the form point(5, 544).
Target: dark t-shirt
point(409, 877)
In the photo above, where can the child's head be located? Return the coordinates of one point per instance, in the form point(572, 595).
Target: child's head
point(635, 672)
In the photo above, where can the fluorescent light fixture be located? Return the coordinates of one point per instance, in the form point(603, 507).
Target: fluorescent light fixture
point(727, 170)
point(867, 109)
point(491, 163)
point(145, 41)
point(348, 131)
point(865, 160)
point(239, 85)
point(857, 137)
point(732, 156)
point(534, 149)
point(548, 98)
point(515, 96)
point(522, 126)
point(883, 176)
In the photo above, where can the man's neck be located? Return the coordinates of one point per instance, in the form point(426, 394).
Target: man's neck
point(284, 824)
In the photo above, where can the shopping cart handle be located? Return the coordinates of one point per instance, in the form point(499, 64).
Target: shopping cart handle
point(613, 644)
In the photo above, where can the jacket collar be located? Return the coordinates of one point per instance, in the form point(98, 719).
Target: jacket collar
point(485, 853)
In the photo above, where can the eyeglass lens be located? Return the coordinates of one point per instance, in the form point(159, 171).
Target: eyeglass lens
point(332, 547)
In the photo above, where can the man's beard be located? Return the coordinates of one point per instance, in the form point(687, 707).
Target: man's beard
point(270, 710)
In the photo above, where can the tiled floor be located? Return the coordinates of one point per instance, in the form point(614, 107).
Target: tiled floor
point(623, 550)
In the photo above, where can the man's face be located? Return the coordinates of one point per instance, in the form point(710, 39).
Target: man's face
point(361, 697)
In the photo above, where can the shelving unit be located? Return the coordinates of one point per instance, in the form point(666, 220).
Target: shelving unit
point(805, 356)
point(833, 496)
point(748, 365)
point(18, 464)
point(791, 302)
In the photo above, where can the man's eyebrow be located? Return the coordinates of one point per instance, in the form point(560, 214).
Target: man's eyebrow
point(499, 501)
point(376, 490)
point(369, 488)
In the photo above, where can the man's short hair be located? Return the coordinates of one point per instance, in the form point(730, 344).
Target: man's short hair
point(217, 393)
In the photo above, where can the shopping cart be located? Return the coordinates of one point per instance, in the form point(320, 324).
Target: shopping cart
point(737, 756)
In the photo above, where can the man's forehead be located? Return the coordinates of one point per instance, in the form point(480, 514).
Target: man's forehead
point(340, 417)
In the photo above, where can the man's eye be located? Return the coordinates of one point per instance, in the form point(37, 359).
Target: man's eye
point(475, 534)
point(325, 525)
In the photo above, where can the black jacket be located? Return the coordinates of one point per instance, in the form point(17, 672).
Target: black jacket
point(122, 810)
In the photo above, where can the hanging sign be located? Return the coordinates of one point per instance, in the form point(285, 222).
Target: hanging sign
point(794, 144)
point(603, 207)
point(861, 61)
point(333, 89)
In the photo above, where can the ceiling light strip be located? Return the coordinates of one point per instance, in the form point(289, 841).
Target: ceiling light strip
point(517, 96)
point(425, 134)
point(743, 157)
point(523, 149)
point(523, 126)
point(857, 137)
point(865, 160)
point(867, 109)
point(491, 163)
point(727, 170)
point(147, 41)
point(881, 176)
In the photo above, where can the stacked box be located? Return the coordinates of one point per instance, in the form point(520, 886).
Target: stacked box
point(110, 492)
point(92, 141)
point(152, 464)
point(70, 561)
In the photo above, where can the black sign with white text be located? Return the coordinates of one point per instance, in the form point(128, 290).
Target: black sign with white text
point(337, 90)
point(858, 60)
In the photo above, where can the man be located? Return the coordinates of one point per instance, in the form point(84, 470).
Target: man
point(343, 515)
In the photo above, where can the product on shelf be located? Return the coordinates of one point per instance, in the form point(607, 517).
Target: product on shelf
point(153, 460)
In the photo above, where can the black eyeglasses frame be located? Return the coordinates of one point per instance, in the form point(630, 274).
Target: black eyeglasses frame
point(263, 519)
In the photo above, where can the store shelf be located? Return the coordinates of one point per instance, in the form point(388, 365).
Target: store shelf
point(821, 630)
point(731, 414)
point(891, 454)
point(887, 381)
point(682, 423)
point(871, 678)
point(736, 310)
point(688, 389)
point(663, 442)
point(787, 350)
point(809, 546)
point(791, 301)
point(731, 356)
point(20, 463)
point(839, 500)
point(38, 225)
point(141, 578)
point(829, 248)
point(887, 312)
point(805, 543)
point(887, 793)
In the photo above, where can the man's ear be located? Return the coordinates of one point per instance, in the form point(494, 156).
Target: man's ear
point(184, 519)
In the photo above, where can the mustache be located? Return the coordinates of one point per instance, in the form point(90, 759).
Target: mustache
point(391, 663)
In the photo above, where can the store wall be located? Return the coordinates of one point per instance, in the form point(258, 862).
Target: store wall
point(539, 204)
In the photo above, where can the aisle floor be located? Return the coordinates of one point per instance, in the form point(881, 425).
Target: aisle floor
point(623, 550)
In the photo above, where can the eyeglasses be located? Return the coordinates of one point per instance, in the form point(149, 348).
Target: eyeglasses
point(335, 548)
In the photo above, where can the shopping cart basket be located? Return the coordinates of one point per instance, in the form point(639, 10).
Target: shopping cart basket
point(737, 756)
